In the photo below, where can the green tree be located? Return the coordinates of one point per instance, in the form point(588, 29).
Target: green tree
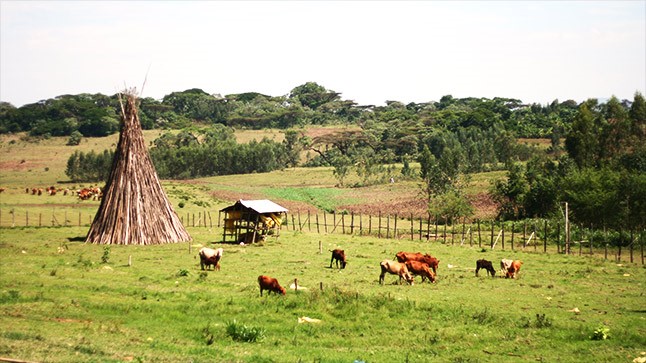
point(581, 143)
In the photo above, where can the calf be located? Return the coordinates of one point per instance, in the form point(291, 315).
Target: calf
point(395, 268)
point(487, 265)
point(270, 284)
point(209, 256)
point(339, 256)
point(431, 261)
point(513, 269)
point(420, 269)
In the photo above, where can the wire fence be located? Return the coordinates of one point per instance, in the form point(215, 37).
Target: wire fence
point(537, 235)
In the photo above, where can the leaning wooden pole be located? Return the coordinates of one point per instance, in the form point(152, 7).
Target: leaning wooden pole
point(134, 209)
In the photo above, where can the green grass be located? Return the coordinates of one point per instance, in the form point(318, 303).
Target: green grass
point(64, 301)
point(60, 303)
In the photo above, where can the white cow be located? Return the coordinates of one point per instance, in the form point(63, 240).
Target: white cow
point(505, 264)
point(210, 256)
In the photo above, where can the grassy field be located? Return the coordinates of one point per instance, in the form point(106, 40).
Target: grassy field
point(64, 301)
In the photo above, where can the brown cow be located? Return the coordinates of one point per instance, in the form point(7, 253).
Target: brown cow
point(512, 271)
point(420, 269)
point(270, 284)
point(395, 268)
point(487, 265)
point(339, 256)
point(431, 261)
point(2, 190)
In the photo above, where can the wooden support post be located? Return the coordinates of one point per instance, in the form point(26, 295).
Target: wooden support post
point(295, 284)
point(320, 247)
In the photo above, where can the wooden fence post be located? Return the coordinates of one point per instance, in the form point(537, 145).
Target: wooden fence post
point(444, 234)
point(479, 236)
point(318, 230)
point(324, 221)
point(513, 226)
point(369, 224)
point(545, 239)
point(632, 243)
point(309, 226)
point(351, 222)
point(558, 237)
point(502, 246)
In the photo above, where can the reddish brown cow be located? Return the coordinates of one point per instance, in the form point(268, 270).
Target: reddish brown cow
point(2, 190)
point(270, 284)
point(420, 269)
point(339, 256)
point(431, 261)
point(512, 271)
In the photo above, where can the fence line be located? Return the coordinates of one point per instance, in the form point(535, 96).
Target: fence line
point(493, 234)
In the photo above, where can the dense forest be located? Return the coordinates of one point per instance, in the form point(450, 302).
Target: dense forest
point(596, 158)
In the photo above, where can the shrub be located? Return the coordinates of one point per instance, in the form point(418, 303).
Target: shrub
point(243, 333)
point(601, 333)
point(105, 258)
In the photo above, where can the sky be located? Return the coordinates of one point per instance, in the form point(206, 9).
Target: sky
point(369, 51)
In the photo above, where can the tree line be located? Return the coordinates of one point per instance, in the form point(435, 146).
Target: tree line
point(307, 104)
point(595, 159)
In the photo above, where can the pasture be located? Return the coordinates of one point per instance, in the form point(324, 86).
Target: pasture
point(64, 301)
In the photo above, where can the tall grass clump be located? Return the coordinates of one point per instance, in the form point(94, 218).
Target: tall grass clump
point(243, 333)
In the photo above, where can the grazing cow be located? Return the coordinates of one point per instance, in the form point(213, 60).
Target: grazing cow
point(431, 261)
point(84, 194)
point(40, 191)
point(487, 265)
point(51, 190)
point(395, 268)
point(270, 284)
point(2, 190)
point(420, 269)
point(339, 256)
point(34, 191)
point(512, 271)
point(27, 190)
point(505, 264)
point(210, 256)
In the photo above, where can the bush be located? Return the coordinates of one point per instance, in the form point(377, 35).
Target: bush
point(242, 333)
point(601, 333)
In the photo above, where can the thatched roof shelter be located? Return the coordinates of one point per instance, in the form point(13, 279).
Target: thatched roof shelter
point(134, 209)
point(246, 220)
